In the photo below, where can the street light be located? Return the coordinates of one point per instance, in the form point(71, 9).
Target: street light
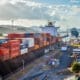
point(23, 65)
point(0, 78)
point(12, 23)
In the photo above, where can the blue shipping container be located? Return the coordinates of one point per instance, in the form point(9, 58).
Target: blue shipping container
point(23, 46)
point(3, 41)
point(37, 35)
point(28, 34)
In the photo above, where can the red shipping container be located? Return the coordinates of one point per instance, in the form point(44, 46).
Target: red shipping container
point(14, 51)
point(41, 44)
point(39, 41)
point(48, 34)
point(14, 42)
point(59, 39)
point(4, 53)
point(20, 39)
point(15, 35)
point(53, 40)
point(6, 45)
point(56, 39)
point(11, 43)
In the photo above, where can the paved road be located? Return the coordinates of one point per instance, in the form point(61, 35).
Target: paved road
point(65, 60)
point(50, 74)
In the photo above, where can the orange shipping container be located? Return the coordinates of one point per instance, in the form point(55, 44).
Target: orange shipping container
point(36, 46)
point(47, 43)
point(38, 42)
point(4, 53)
point(14, 51)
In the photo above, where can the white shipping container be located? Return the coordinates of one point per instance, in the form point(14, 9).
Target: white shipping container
point(29, 41)
point(46, 50)
point(63, 48)
point(76, 50)
point(24, 41)
point(23, 51)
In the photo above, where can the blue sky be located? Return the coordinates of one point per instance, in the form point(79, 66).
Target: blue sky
point(66, 2)
point(38, 12)
point(53, 1)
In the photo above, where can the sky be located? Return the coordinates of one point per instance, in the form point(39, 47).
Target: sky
point(66, 13)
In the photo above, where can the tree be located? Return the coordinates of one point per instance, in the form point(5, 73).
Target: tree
point(76, 67)
point(74, 32)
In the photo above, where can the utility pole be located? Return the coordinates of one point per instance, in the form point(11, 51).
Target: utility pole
point(23, 65)
point(12, 23)
point(0, 78)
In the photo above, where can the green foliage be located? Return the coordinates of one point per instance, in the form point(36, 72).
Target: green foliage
point(76, 67)
point(74, 32)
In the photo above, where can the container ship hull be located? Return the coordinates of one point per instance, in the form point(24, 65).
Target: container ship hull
point(9, 67)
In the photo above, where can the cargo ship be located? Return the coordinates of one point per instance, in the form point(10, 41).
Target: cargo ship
point(22, 48)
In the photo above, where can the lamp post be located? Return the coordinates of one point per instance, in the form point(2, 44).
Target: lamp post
point(0, 78)
point(22, 65)
point(12, 23)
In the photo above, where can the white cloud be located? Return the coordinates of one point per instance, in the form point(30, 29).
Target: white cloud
point(52, 13)
point(75, 9)
point(29, 9)
point(33, 4)
point(2, 2)
point(27, 2)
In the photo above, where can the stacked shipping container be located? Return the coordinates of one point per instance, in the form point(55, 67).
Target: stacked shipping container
point(14, 46)
point(15, 35)
point(23, 49)
point(19, 44)
point(4, 53)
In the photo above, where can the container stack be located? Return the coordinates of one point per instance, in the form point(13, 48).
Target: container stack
point(16, 44)
point(23, 49)
point(4, 53)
